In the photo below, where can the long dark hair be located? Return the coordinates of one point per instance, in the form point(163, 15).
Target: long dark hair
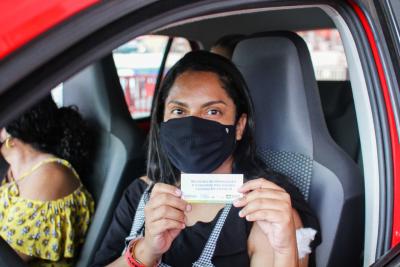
point(58, 131)
point(159, 168)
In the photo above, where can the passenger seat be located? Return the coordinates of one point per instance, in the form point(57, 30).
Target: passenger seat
point(120, 155)
point(292, 138)
point(340, 116)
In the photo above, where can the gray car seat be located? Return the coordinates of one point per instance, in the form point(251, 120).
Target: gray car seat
point(340, 116)
point(119, 156)
point(292, 138)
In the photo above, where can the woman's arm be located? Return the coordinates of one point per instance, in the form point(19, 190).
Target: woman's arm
point(165, 218)
point(262, 254)
point(272, 240)
point(24, 257)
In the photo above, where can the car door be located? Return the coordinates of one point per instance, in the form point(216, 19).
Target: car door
point(25, 76)
point(384, 19)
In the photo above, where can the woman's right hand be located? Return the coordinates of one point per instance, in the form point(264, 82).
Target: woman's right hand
point(165, 219)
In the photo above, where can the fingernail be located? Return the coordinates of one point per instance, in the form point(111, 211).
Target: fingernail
point(241, 213)
point(236, 202)
point(183, 225)
point(248, 217)
point(188, 207)
point(178, 192)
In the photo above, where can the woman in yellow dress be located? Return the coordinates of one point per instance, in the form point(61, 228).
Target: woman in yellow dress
point(45, 210)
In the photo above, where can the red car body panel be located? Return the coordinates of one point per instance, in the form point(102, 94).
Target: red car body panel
point(24, 20)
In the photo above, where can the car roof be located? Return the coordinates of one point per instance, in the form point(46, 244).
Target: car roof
point(247, 22)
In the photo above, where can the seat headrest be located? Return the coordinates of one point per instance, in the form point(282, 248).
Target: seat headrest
point(278, 71)
point(97, 93)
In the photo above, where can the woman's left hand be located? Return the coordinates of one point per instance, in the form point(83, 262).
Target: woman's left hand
point(270, 207)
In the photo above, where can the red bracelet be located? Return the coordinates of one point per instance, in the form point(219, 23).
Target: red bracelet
point(130, 254)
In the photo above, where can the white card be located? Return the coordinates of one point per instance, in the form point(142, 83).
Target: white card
point(211, 188)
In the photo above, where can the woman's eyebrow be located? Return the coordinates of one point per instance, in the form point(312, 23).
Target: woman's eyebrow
point(213, 103)
point(179, 103)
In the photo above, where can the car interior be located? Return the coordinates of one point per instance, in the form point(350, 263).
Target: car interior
point(308, 131)
point(306, 128)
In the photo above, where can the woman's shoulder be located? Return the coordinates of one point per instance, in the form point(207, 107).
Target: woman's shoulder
point(138, 185)
point(51, 182)
point(63, 223)
point(135, 190)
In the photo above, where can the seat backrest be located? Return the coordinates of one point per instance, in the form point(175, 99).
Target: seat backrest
point(340, 116)
point(292, 138)
point(119, 156)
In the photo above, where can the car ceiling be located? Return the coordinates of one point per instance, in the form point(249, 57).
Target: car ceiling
point(210, 28)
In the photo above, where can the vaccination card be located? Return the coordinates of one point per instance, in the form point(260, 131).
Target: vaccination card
point(211, 188)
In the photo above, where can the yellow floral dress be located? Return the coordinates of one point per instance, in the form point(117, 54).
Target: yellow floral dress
point(49, 231)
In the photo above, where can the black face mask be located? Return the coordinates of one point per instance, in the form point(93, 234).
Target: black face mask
point(196, 145)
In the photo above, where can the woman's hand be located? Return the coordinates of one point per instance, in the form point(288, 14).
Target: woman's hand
point(165, 219)
point(270, 207)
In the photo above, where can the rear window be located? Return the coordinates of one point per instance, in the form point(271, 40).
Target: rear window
point(138, 64)
point(327, 54)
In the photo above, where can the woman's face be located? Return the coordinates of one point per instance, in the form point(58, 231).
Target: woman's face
point(200, 94)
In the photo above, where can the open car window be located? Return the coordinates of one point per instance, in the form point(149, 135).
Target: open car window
point(327, 54)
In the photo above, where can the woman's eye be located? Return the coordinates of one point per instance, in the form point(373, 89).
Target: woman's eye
point(213, 112)
point(177, 111)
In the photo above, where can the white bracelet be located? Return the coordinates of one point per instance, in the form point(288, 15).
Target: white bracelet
point(304, 236)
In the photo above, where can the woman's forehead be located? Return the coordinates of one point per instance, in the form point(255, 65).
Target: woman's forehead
point(197, 85)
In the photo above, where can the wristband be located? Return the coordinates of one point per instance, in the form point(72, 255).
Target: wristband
point(130, 254)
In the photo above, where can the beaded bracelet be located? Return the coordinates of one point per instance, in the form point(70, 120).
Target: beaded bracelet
point(130, 255)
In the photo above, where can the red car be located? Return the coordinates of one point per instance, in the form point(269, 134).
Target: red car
point(333, 128)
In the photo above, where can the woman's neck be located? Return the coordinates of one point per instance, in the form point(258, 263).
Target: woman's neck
point(225, 167)
point(25, 159)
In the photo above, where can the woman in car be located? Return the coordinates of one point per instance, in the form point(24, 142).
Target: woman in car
point(203, 122)
point(45, 210)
